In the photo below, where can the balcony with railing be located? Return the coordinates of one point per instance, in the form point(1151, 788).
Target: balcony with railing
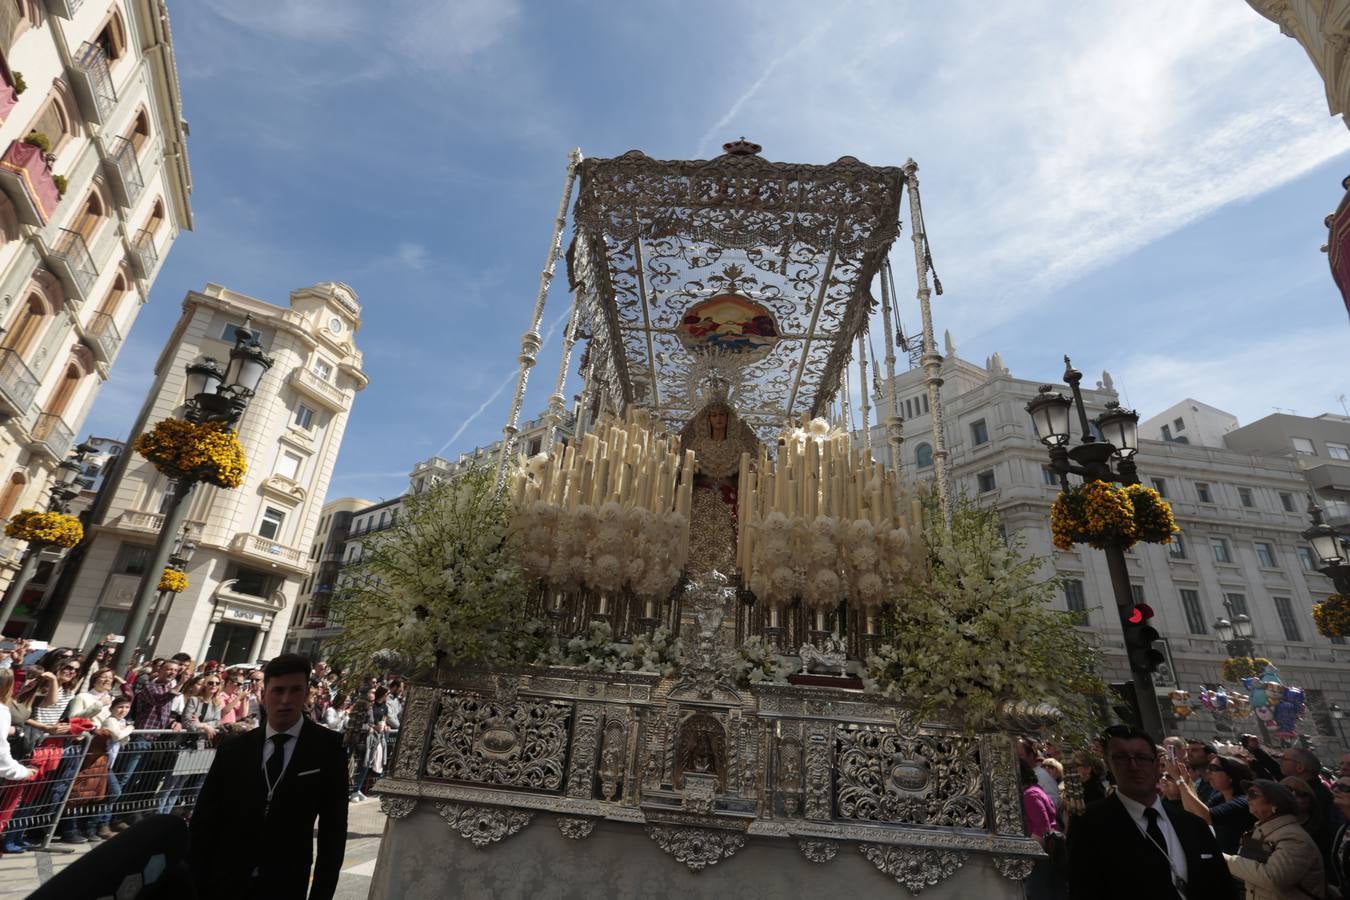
point(53, 434)
point(26, 178)
point(66, 9)
point(124, 172)
point(255, 546)
point(144, 256)
point(93, 81)
point(71, 260)
point(107, 339)
point(17, 383)
point(313, 386)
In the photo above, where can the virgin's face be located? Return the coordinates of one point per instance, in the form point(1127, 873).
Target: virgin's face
point(718, 421)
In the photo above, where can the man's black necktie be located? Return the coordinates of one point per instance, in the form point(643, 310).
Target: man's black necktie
point(1154, 832)
point(277, 761)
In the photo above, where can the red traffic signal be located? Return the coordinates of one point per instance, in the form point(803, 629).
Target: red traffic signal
point(1140, 614)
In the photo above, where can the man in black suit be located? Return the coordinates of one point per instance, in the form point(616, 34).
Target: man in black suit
point(1131, 847)
point(253, 827)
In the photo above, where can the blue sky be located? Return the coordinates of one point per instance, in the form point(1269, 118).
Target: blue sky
point(1140, 184)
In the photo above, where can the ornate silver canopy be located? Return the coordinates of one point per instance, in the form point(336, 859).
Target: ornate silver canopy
point(788, 250)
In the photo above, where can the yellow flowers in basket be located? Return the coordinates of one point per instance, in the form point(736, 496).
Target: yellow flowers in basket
point(207, 452)
point(1332, 616)
point(45, 528)
point(1101, 515)
point(173, 580)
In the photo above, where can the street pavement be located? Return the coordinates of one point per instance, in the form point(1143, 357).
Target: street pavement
point(21, 873)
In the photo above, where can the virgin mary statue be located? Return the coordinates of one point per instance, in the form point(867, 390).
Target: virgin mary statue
point(718, 437)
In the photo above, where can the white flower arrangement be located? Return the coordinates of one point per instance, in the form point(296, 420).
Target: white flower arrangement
point(758, 662)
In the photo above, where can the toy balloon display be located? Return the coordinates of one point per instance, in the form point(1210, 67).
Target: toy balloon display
point(1240, 706)
point(1274, 694)
point(1221, 699)
point(1262, 712)
point(1271, 675)
point(1294, 695)
point(1181, 703)
point(1286, 715)
point(1258, 697)
point(1249, 683)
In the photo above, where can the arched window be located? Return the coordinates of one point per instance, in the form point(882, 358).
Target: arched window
point(140, 131)
point(112, 37)
point(59, 119)
point(59, 401)
point(156, 219)
point(91, 215)
point(923, 456)
point(13, 490)
point(113, 298)
point(28, 325)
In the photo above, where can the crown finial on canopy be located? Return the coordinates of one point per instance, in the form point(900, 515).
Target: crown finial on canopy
point(741, 147)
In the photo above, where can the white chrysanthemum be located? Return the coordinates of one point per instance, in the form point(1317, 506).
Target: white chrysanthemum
point(775, 523)
point(607, 572)
point(861, 530)
point(825, 526)
point(871, 589)
point(759, 584)
point(818, 427)
point(863, 555)
point(825, 587)
point(535, 466)
point(610, 511)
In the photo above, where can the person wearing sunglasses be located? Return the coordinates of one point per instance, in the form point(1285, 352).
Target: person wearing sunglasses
point(1131, 846)
point(1278, 860)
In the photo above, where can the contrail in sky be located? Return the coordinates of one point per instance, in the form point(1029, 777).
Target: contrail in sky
point(510, 376)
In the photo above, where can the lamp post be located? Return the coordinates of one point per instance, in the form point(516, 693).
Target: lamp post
point(1092, 460)
point(213, 396)
point(1237, 635)
point(1329, 548)
point(1337, 716)
point(64, 488)
point(183, 549)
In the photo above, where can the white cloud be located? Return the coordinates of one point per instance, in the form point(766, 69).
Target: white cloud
point(1053, 140)
point(1269, 373)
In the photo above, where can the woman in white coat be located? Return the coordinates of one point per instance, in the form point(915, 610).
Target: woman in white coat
point(1279, 859)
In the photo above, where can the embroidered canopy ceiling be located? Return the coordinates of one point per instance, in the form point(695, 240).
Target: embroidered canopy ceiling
point(756, 268)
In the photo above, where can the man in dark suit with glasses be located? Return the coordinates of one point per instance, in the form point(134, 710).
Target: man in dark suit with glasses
point(1132, 847)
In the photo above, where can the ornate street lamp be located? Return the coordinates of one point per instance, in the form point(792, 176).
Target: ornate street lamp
point(1337, 714)
point(213, 396)
point(184, 547)
point(65, 486)
point(1092, 460)
point(1329, 549)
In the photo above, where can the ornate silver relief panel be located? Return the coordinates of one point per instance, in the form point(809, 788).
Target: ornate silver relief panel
point(521, 744)
point(919, 779)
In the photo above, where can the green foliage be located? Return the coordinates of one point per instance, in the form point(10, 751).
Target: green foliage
point(442, 587)
point(39, 140)
point(975, 631)
point(61, 184)
point(19, 84)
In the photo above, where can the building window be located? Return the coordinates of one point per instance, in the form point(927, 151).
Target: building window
point(322, 367)
point(1075, 601)
point(1237, 603)
point(1160, 485)
point(1195, 618)
point(924, 398)
point(1285, 609)
point(288, 465)
point(1137, 593)
point(1221, 552)
point(227, 333)
point(304, 417)
point(1048, 476)
point(132, 560)
point(1338, 451)
point(986, 481)
point(1245, 497)
point(1177, 549)
point(1166, 433)
point(923, 456)
point(1265, 555)
point(1305, 559)
point(1179, 425)
point(979, 433)
point(1287, 501)
point(272, 520)
point(1304, 446)
point(1202, 492)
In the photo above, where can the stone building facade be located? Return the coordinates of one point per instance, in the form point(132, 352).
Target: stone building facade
point(254, 542)
point(1241, 511)
point(84, 224)
point(309, 617)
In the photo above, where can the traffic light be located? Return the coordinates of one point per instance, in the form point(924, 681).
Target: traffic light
point(1139, 638)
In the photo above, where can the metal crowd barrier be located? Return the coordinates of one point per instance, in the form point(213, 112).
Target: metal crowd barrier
point(79, 788)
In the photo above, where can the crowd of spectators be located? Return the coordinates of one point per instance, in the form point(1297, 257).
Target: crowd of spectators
point(106, 748)
point(1277, 816)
